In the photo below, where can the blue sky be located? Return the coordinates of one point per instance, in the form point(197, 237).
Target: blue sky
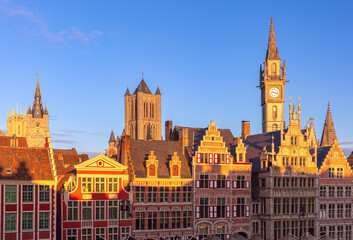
point(204, 56)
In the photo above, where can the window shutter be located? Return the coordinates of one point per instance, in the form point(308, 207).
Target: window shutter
point(197, 212)
point(215, 158)
point(228, 183)
point(215, 211)
point(198, 158)
point(197, 183)
point(211, 184)
point(211, 159)
point(228, 211)
point(215, 184)
point(247, 210)
point(235, 211)
point(247, 184)
point(227, 158)
point(211, 212)
point(235, 184)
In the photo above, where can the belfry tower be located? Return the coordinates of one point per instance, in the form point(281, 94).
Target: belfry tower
point(143, 113)
point(272, 82)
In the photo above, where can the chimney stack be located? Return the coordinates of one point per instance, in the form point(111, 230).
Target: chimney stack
point(245, 129)
point(168, 129)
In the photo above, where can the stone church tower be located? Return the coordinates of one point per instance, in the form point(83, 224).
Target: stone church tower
point(272, 82)
point(34, 124)
point(143, 113)
point(328, 133)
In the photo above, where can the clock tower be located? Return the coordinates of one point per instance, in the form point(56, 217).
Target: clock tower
point(272, 82)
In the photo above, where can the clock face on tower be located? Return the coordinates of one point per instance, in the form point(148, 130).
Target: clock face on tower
point(274, 92)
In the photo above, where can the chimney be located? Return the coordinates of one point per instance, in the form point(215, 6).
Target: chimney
point(185, 138)
point(168, 129)
point(245, 129)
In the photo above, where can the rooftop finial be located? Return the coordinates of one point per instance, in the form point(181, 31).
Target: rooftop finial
point(271, 28)
point(142, 74)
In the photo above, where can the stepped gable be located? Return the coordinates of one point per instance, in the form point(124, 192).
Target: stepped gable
point(25, 163)
point(163, 150)
point(5, 141)
point(195, 136)
point(321, 154)
point(256, 143)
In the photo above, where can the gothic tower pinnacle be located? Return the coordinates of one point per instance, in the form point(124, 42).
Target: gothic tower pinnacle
point(272, 82)
point(328, 134)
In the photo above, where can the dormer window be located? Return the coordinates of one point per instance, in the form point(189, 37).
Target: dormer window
point(8, 170)
point(152, 165)
point(174, 166)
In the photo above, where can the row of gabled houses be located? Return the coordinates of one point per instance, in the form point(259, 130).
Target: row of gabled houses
point(196, 183)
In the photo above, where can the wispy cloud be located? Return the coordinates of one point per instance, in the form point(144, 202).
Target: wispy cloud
point(61, 134)
point(346, 143)
point(64, 141)
point(38, 29)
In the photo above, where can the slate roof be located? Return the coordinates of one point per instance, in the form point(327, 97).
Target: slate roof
point(25, 163)
point(142, 87)
point(6, 141)
point(163, 150)
point(195, 136)
point(321, 154)
point(255, 144)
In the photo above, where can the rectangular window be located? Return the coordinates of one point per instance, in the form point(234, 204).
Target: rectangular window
point(240, 207)
point(44, 220)
point(140, 194)
point(322, 211)
point(348, 232)
point(152, 220)
point(186, 194)
point(255, 228)
point(164, 218)
point(340, 232)
point(125, 232)
point(44, 193)
point(86, 234)
point(100, 183)
point(332, 231)
point(220, 232)
point(348, 210)
point(27, 193)
point(187, 219)
point(348, 191)
point(322, 231)
point(221, 181)
point(311, 205)
point(204, 181)
point(27, 221)
point(100, 233)
point(113, 233)
point(277, 205)
point(164, 194)
point(240, 181)
point(331, 172)
point(339, 210)
point(86, 185)
point(152, 194)
point(86, 210)
point(331, 191)
point(72, 234)
point(72, 210)
point(140, 220)
point(175, 194)
point(113, 209)
point(10, 193)
point(10, 221)
point(322, 191)
point(100, 209)
point(331, 210)
point(286, 209)
point(221, 207)
point(339, 191)
point(175, 219)
point(203, 232)
point(340, 174)
point(204, 208)
point(126, 213)
point(295, 206)
point(113, 185)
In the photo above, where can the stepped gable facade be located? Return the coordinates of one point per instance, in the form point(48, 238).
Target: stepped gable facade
point(336, 180)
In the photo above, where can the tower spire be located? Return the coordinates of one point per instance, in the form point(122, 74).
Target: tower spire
point(272, 51)
point(328, 134)
point(37, 109)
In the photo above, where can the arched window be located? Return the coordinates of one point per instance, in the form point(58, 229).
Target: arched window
point(274, 127)
point(132, 110)
point(274, 112)
point(274, 69)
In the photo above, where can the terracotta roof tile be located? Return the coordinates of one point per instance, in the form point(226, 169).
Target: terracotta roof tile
point(25, 163)
point(6, 141)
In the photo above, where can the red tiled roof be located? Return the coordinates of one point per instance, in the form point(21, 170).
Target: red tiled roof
point(6, 141)
point(19, 163)
point(64, 157)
